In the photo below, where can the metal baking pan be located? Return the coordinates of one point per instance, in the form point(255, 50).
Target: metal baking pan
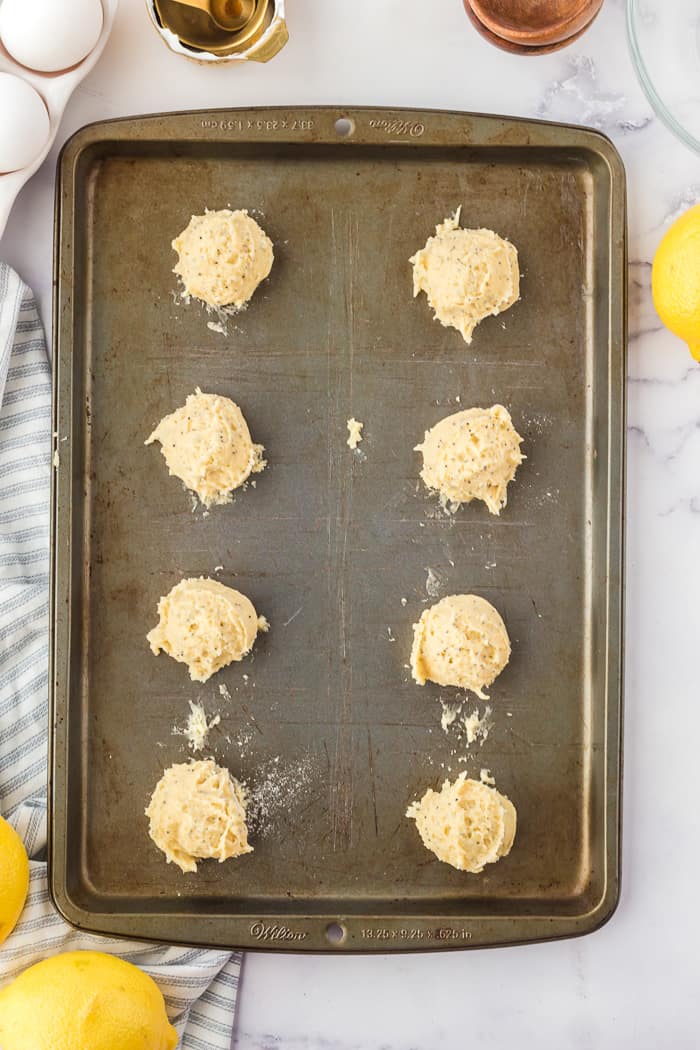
point(329, 543)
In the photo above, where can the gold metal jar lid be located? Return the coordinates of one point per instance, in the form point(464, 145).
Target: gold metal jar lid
point(191, 32)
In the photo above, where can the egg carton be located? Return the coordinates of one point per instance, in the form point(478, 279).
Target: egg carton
point(55, 89)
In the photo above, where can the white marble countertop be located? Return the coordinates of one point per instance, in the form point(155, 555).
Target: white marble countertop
point(632, 984)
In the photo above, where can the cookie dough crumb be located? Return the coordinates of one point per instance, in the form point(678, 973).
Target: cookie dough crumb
point(198, 812)
point(486, 778)
point(476, 726)
point(460, 641)
point(224, 691)
point(354, 433)
point(472, 454)
point(433, 583)
point(207, 445)
point(205, 625)
point(472, 726)
point(467, 275)
point(450, 713)
point(197, 728)
point(447, 505)
point(216, 326)
point(466, 824)
point(222, 257)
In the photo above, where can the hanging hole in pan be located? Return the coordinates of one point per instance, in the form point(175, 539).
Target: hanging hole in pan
point(335, 933)
point(344, 127)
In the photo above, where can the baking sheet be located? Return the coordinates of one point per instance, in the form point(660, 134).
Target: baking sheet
point(341, 551)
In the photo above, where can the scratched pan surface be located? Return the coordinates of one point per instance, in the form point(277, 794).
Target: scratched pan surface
point(335, 547)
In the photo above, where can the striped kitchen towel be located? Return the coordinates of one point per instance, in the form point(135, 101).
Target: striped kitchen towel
point(200, 987)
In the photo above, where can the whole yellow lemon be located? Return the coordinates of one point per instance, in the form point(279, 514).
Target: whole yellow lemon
point(84, 1001)
point(14, 878)
point(675, 279)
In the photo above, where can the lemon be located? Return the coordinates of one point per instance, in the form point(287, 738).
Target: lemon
point(14, 878)
point(84, 1001)
point(675, 279)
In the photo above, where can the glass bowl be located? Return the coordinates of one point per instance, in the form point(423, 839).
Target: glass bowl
point(664, 38)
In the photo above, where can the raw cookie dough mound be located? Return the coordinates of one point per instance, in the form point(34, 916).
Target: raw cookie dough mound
point(467, 824)
point(460, 641)
point(207, 444)
point(472, 454)
point(467, 275)
point(205, 625)
point(223, 257)
point(197, 812)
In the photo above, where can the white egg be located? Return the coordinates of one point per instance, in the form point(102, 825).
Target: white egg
point(50, 35)
point(24, 123)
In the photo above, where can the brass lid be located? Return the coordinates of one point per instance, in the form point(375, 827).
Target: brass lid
point(198, 33)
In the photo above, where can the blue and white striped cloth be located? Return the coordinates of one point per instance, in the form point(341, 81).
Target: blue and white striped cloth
point(200, 987)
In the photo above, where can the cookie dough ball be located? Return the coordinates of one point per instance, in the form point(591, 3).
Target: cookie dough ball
point(223, 257)
point(472, 454)
point(466, 824)
point(207, 444)
point(460, 641)
point(467, 275)
point(198, 812)
point(205, 625)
